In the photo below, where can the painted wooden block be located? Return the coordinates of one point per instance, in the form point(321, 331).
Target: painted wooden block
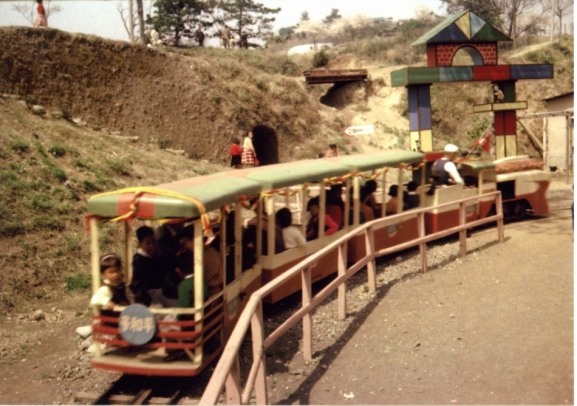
point(413, 97)
point(426, 140)
point(400, 77)
point(464, 24)
point(499, 123)
point(511, 145)
point(456, 74)
point(491, 72)
point(489, 33)
point(431, 55)
point(476, 24)
point(532, 71)
point(510, 122)
point(424, 93)
point(423, 75)
point(483, 108)
point(450, 34)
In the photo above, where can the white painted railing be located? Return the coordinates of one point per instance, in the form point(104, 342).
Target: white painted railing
point(227, 372)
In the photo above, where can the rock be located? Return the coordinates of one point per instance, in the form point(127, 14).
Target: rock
point(84, 331)
point(86, 344)
point(38, 110)
point(38, 315)
point(56, 114)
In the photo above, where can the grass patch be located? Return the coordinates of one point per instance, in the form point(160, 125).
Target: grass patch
point(57, 150)
point(118, 166)
point(77, 283)
point(19, 145)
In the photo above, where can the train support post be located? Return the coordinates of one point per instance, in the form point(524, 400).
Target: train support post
point(462, 233)
point(307, 318)
point(499, 206)
point(423, 245)
point(371, 266)
point(342, 289)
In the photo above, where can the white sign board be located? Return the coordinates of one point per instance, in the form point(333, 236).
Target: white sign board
point(360, 130)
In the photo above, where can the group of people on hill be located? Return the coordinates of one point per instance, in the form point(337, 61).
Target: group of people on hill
point(245, 156)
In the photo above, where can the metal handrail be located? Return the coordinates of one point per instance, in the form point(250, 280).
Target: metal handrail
point(227, 370)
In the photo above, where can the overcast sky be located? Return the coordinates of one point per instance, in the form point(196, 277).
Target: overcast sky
point(102, 18)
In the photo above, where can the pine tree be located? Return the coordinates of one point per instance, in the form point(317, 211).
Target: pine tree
point(178, 18)
point(248, 17)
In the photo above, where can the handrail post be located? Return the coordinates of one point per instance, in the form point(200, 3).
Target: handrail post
point(499, 205)
point(462, 233)
point(371, 266)
point(342, 295)
point(422, 246)
point(257, 327)
point(307, 318)
point(232, 384)
point(322, 208)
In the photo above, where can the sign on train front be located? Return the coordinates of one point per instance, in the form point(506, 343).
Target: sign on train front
point(137, 324)
point(360, 130)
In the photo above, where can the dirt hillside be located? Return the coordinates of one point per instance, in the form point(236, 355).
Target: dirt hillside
point(196, 102)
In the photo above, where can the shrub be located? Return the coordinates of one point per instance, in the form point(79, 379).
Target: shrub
point(163, 144)
point(79, 282)
point(118, 166)
point(320, 59)
point(57, 150)
point(19, 145)
point(48, 222)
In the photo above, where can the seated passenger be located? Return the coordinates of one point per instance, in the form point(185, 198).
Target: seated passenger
point(292, 236)
point(211, 260)
point(335, 204)
point(393, 202)
point(113, 290)
point(369, 199)
point(411, 199)
point(366, 210)
point(444, 172)
point(149, 267)
point(185, 269)
point(313, 225)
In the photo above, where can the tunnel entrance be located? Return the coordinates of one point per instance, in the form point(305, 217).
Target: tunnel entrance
point(265, 143)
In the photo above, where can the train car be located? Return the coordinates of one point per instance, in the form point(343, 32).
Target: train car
point(200, 332)
point(521, 180)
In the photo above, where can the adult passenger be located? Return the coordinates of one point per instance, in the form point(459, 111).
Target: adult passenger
point(331, 227)
point(444, 171)
point(292, 236)
point(411, 199)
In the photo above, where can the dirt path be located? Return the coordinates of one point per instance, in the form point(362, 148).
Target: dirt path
point(495, 327)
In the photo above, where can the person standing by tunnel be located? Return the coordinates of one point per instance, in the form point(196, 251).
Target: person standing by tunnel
point(248, 159)
point(42, 19)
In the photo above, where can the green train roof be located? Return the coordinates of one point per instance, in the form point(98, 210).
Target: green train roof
point(183, 199)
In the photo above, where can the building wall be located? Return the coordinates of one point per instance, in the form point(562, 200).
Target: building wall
point(557, 132)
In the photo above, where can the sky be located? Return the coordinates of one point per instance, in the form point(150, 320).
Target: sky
point(102, 17)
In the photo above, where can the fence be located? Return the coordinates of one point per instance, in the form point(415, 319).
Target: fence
point(227, 372)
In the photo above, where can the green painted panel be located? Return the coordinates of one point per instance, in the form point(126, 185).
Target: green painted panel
point(490, 33)
point(367, 162)
point(423, 75)
point(296, 173)
point(456, 74)
point(104, 206)
point(438, 28)
point(399, 78)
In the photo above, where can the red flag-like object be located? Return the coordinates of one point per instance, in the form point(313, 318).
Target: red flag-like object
point(484, 142)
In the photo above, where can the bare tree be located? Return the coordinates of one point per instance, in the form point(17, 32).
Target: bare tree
point(128, 19)
point(313, 28)
point(521, 16)
point(27, 9)
point(561, 8)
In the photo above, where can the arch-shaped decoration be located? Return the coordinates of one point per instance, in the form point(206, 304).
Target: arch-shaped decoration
point(472, 51)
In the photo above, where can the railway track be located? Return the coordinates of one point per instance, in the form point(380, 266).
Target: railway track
point(133, 390)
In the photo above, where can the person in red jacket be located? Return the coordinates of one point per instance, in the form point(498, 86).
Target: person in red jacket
point(235, 153)
point(41, 20)
point(312, 231)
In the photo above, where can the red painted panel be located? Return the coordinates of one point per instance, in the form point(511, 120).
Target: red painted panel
point(499, 123)
point(145, 205)
point(431, 56)
point(491, 72)
point(510, 122)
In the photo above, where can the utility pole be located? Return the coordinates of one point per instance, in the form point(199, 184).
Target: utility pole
point(140, 20)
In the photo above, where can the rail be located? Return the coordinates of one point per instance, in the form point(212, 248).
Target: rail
point(227, 372)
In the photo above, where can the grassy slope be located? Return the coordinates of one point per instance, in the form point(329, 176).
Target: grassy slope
point(48, 169)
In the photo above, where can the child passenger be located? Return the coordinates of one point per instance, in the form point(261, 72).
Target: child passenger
point(113, 290)
point(292, 236)
point(313, 225)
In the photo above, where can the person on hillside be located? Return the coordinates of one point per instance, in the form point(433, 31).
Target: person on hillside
point(292, 236)
point(199, 36)
point(150, 268)
point(312, 229)
point(113, 290)
point(244, 40)
point(248, 159)
point(333, 151)
point(225, 37)
point(42, 19)
point(235, 154)
point(444, 172)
